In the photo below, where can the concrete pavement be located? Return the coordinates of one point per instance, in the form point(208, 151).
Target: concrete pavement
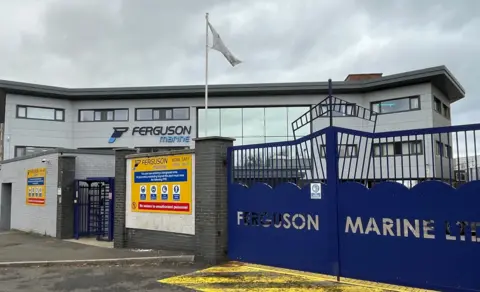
point(94, 278)
point(18, 247)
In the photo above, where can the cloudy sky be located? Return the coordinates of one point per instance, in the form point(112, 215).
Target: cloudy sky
point(79, 43)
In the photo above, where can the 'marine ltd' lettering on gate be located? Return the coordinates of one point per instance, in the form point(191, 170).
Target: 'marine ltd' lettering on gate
point(402, 227)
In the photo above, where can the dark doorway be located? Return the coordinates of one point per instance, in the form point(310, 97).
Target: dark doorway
point(6, 207)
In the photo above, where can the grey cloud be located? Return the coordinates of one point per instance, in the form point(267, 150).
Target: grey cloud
point(125, 43)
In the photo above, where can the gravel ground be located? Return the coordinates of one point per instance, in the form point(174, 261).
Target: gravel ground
point(93, 278)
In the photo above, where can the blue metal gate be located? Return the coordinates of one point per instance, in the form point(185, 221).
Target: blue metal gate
point(94, 208)
point(393, 207)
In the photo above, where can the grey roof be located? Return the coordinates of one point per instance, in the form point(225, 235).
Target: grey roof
point(439, 76)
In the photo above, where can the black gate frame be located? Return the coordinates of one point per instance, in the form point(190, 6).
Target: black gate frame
point(89, 215)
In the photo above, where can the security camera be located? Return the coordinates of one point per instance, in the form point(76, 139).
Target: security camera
point(44, 160)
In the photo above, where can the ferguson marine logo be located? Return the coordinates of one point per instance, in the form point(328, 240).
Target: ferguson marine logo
point(117, 133)
point(167, 134)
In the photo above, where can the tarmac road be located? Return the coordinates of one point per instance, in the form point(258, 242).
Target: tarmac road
point(93, 278)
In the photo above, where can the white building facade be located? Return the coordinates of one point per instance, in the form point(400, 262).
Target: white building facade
point(37, 117)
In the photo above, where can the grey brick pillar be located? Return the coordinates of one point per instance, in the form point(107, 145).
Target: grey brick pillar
point(119, 231)
point(211, 199)
point(66, 184)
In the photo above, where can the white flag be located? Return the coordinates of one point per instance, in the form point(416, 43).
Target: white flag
point(218, 45)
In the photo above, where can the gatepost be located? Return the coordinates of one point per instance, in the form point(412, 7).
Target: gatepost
point(209, 242)
point(119, 230)
point(211, 199)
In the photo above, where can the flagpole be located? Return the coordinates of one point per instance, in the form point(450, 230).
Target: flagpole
point(206, 75)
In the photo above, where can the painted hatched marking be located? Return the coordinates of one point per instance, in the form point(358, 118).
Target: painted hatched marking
point(235, 276)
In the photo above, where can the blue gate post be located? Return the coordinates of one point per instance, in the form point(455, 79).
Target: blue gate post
point(111, 208)
point(332, 196)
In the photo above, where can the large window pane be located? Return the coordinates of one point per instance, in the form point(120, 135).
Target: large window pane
point(253, 122)
point(231, 119)
point(276, 122)
point(181, 113)
point(253, 140)
point(395, 105)
point(293, 114)
point(41, 113)
point(121, 115)
point(86, 116)
point(212, 128)
point(144, 114)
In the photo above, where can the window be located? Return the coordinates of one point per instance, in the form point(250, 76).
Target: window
point(398, 148)
point(162, 114)
point(396, 105)
point(437, 104)
point(446, 111)
point(345, 151)
point(40, 113)
point(339, 110)
point(29, 150)
point(253, 125)
point(103, 115)
point(460, 175)
point(442, 149)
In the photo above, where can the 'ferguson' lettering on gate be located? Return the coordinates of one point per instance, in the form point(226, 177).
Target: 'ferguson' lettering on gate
point(279, 220)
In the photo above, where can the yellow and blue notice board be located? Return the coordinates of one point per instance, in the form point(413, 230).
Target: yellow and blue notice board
point(162, 184)
point(36, 186)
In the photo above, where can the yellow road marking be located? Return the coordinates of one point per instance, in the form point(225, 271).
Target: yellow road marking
point(240, 277)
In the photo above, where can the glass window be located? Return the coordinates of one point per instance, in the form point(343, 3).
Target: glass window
point(396, 105)
point(144, 114)
point(162, 114)
point(98, 116)
point(212, 127)
point(231, 122)
point(294, 113)
point(103, 115)
point(86, 116)
point(181, 113)
point(40, 113)
point(22, 112)
point(446, 111)
point(254, 122)
point(414, 103)
point(276, 122)
point(109, 115)
point(121, 115)
point(253, 140)
point(59, 115)
point(437, 104)
point(28, 150)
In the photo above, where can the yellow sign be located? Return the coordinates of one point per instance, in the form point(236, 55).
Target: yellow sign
point(162, 184)
point(36, 186)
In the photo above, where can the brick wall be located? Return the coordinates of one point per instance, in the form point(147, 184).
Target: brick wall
point(209, 240)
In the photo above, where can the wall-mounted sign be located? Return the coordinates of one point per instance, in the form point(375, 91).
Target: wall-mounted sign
point(167, 134)
point(36, 186)
point(162, 184)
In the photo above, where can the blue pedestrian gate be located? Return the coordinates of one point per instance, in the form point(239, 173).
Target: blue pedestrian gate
point(94, 208)
point(392, 207)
